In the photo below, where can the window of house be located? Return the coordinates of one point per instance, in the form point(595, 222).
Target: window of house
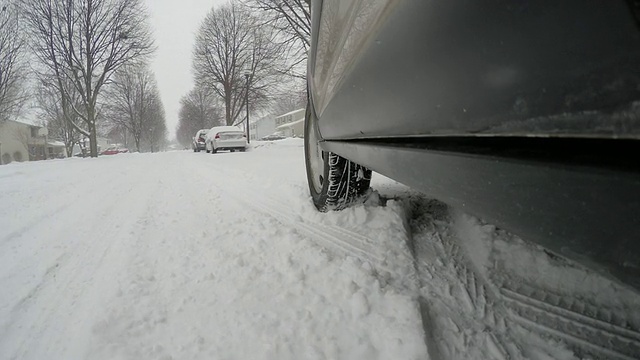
point(34, 132)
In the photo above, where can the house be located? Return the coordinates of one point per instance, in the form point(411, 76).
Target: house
point(291, 124)
point(262, 127)
point(57, 149)
point(21, 141)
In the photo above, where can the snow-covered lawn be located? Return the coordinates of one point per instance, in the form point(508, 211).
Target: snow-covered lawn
point(183, 255)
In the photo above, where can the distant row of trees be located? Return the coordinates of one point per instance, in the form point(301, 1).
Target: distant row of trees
point(90, 70)
point(135, 108)
point(259, 45)
point(198, 110)
point(12, 64)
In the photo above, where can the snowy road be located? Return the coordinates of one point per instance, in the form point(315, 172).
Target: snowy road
point(184, 255)
point(194, 256)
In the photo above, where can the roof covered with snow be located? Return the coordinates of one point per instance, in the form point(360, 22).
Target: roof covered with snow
point(56, 143)
point(291, 124)
point(218, 129)
point(25, 122)
point(291, 112)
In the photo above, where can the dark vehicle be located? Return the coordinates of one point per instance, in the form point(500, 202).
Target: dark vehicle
point(524, 113)
point(198, 143)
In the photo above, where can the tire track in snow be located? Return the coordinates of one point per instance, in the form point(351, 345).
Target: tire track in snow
point(157, 282)
point(483, 315)
point(78, 271)
point(58, 319)
point(555, 298)
point(51, 305)
point(331, 237)
point(490, 309)
point(36, 222)
point(464, 319)
point(64, 206)
point(41, 243)
point(589, 335)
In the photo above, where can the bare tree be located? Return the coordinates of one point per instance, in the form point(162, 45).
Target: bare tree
point(198, 110)
point(155, 133)
point(184, 133)
point(117, 133)
point(134, 102)
point(292, 98)
point(290, 17)
point(229, 44)
point(58, 121)
point(292, 21)
point(82, 43)
point(12, 66)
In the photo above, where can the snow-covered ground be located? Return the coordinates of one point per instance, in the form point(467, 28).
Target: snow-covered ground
point(183, 255)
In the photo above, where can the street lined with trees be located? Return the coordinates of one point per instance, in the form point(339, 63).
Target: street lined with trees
point(247, 54)
point(84, 66)
point(80, 45)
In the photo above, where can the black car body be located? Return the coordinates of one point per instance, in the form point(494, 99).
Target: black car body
point(524, 113)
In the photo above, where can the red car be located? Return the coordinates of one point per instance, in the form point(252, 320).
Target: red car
point(114, 150)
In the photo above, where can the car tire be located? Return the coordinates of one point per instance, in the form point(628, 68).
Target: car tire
point(207, 151)
point(334, 182)
point(195, 150)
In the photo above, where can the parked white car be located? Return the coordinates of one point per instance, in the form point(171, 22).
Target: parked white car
point(229, 138)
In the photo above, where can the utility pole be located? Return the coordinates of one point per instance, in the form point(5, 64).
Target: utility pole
point(246, 100)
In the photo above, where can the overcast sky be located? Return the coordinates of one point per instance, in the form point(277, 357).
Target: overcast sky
point(174, 25)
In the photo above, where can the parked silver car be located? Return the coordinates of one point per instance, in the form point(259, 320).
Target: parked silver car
point(198, 142)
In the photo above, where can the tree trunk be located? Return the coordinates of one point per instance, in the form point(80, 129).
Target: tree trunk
point(69, 149)
point(227, 102)
point(137, 140)
point(93, 139)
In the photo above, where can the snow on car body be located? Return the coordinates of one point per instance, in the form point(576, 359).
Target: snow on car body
point(198, 141)
point(225, 138)
point(113, 150)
